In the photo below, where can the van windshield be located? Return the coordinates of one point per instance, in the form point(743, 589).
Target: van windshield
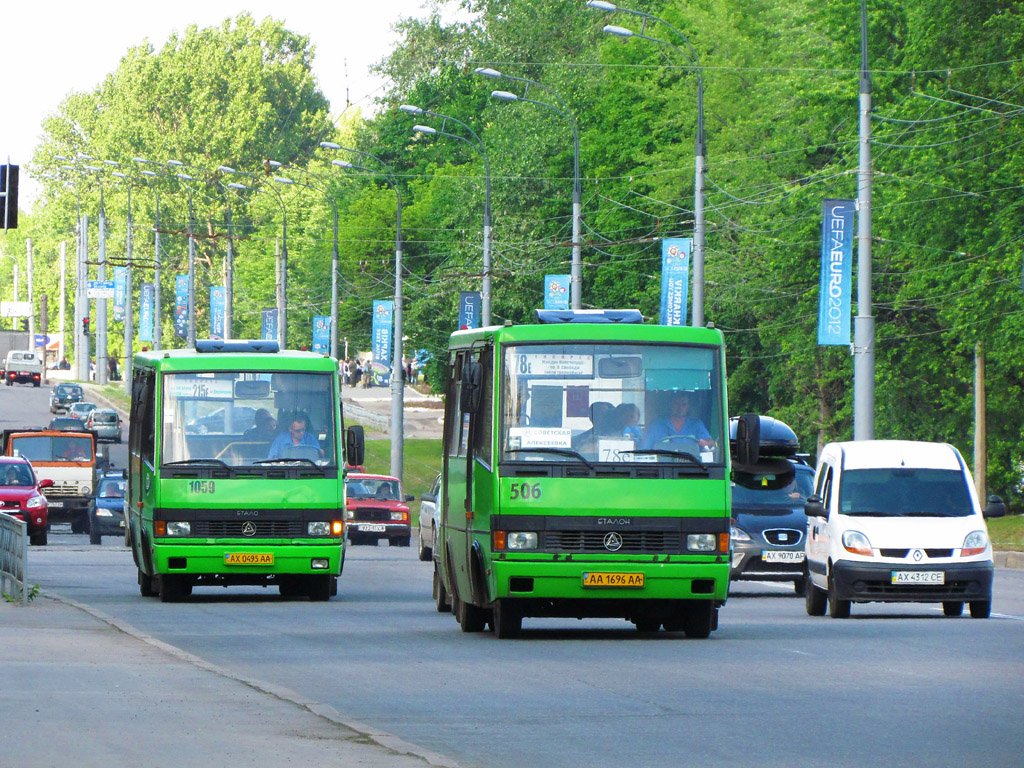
point(904, 492)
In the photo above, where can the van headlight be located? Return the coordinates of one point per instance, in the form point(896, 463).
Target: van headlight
point(857, 543)
point(975, 543)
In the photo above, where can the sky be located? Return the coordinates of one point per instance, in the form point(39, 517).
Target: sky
point(52, 49)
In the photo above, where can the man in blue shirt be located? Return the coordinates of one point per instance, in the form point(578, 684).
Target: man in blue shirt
point(296, 435)
point(679, 422)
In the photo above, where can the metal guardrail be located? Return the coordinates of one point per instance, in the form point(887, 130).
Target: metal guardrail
point(14, 556)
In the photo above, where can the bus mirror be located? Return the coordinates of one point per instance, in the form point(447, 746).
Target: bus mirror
point(748, 440)
point(472, 386)
point(355, 445)
point(619, 367)
point(252, 390)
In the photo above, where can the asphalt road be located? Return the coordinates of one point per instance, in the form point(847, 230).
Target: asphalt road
point(899, 685)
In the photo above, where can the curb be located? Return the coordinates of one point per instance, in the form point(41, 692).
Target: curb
point(1008, 559)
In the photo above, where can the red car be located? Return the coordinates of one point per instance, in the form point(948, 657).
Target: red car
point(377, 509)
point(21, 496)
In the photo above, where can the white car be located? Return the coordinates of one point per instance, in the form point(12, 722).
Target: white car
point(430, 519)
point(897, 521)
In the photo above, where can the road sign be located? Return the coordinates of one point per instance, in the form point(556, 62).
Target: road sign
point(101, 289)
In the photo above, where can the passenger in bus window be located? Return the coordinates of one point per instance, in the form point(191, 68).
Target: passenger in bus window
point(627, 416)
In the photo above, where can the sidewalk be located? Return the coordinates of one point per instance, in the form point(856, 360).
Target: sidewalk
point(82, 688)
point(422, 415)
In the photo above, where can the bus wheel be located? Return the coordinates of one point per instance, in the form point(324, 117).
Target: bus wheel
point(146, 587)
point(291, 586)
point(647, 625)
point(318, 588)
point(507, 619)
point(470, 618)
point(700, 619)
point(173, 588)
point(441, 599)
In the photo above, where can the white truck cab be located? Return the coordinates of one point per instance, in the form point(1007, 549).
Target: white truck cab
point(897, 521)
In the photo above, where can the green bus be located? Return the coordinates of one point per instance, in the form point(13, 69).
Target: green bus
point(236, 464)
point(574, 485)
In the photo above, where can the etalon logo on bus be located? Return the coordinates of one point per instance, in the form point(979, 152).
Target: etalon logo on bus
point(248, 529)
point(612, 542)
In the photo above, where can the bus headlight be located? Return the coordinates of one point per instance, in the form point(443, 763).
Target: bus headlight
point(702, 542)
point(520, 540)
point(319, 528)
point(179, 528)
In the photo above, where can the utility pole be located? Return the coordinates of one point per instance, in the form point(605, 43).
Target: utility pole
point(864, 322)
point(82, 300)
point(44, 325)
point(980, 424)
point(31, 300)
point(61, 351)
point(101, 303)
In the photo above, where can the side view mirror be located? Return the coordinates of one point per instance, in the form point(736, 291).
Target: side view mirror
point(409, 497)
point(46, 483)
point(994, 508)
point(748, 439)
point(814, 506)
point(355, 445)
point(472, 387)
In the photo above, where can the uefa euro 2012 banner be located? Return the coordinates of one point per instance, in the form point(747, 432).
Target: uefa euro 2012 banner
point(675, 279)
point(836, 272)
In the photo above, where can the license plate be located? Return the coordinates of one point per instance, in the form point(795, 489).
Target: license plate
point(249, 558)
point(372, 528)
point(782, 557)
point(55, 504)
point(605, 579)
point(918, 577)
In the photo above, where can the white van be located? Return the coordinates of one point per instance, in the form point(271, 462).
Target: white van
point(23, 368)
point(897, 521)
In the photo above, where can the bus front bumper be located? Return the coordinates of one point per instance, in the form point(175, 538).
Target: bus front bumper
point(247, 560)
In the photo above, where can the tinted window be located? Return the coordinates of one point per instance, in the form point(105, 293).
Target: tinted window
point(793, 493)
point(905, 492)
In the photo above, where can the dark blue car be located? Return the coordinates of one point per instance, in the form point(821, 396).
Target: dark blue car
point(106, 509)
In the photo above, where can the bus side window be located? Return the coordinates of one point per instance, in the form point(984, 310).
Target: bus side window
point(483, 437)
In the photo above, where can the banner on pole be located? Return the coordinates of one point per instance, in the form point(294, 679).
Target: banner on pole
point(268, 324)
point(181, 306)
point(120, 292)
point(675, 279)
point(381, 332)
point(217, 294)
point(836, 272)
point(469, 309)
point(556, 291)
point(146, 296)
point(321, 334)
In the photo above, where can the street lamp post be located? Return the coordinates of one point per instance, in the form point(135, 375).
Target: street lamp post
point(281, 289)
point(397, 369)
point(126, 369)
point(576, 268)
point(485, 282)
point(190, 334)
point(699, 145)
point(156, 255)
point(334, 256)
point(101, 275)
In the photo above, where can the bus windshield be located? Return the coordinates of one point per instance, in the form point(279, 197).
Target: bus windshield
point(612, 402)
point(242, 418)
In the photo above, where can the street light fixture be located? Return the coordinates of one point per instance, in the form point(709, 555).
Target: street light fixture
point(485, 283)
point(576, 269)
point(700, 149)
point(397, 369)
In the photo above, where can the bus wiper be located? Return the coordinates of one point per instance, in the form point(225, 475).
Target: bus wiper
point(557, 451)
point(289, 460)
point(186, 462)
point(664, 452)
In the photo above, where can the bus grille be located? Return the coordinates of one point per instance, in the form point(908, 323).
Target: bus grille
point(633, 542)
point(265, 529)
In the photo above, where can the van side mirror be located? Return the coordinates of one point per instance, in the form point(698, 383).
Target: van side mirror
point(994, 508)
point(472, 386)
point(748, 439)
point(355, 445)
point(814, 506)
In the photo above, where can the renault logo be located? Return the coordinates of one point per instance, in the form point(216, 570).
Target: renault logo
point(612, 542)
point(248, 529)
point(918, 555)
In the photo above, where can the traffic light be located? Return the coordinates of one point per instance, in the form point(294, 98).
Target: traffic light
point(85, 325)
point(9, 196)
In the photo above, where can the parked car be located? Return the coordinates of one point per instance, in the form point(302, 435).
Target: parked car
point(21, 496)
point(105, 423)
point(106, 508)
point(430, 519)
point(377, 509)
point(69, 423)
point(64, 395)
point(897, 521)
point(81, 409)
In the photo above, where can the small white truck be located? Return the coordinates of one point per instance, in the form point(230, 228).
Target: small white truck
point(23, 367)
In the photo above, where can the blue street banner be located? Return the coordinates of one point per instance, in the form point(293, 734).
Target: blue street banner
point(675, 279)
point(217, 295)
point(268, 324)
point(470, 304)
point(146, 301)
point(321, 334)
point(181, 306)
point(556, 291)
point(834, 309)
point(120, 292)
point(380, 334)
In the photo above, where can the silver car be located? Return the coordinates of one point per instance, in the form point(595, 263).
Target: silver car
point(430, 519)
point(105, 423)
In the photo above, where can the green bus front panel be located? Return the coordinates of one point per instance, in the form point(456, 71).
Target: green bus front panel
point(289, 557)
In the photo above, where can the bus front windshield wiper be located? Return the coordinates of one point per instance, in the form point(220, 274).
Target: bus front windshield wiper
point(664, 452)
point(557, 451)
point(193, 462)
